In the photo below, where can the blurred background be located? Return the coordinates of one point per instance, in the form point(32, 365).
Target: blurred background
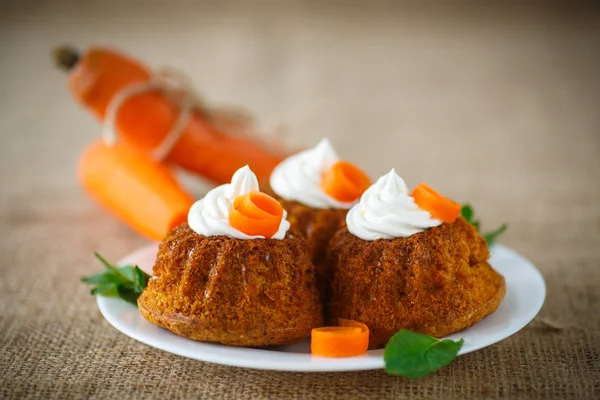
point(496, 105)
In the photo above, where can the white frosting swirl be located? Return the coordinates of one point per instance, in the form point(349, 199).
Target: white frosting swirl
point(387, 211)
point(210, 215)
point(298, 177)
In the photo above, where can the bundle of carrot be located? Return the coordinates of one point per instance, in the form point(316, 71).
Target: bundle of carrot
point(126, 177)
point(144, 120)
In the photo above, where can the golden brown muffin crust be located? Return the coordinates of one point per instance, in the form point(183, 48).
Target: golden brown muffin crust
point(435, 282)
point(318, 225)
point(233, 291)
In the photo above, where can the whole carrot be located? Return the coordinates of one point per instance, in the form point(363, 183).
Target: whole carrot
point(144, 120)
point(139, 191)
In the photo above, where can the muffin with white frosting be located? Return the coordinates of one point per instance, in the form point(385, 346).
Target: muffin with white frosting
point(396, 266)
point(236, 273)
point(317, 189)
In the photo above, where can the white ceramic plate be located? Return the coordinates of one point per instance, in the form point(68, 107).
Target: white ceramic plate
point(524, 297)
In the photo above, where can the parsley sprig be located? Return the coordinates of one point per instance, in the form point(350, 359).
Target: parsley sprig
point(126, 282)
point(468, 214)
point(415, 355)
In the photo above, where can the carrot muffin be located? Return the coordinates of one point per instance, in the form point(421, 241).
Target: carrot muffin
point(218, 279)
point(396, 267)
point(317, 189)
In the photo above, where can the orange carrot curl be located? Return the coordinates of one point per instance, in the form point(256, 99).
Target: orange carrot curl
point(345, 182)
point(439, 207)
point(256, 214)
point(349, 339)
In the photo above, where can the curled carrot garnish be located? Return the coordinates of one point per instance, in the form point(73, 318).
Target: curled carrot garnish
point(439, 207)
point(349, 339)
point(256, 214)
point(345, 182)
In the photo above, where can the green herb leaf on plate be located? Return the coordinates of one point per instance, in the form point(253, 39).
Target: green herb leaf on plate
point(128, 271)
point(105, 289)
point(468, 214)
point(491, 237)
point(126, 282)
point(95, 279)
point(140, 279)
point(416, 355)
point(128, 294)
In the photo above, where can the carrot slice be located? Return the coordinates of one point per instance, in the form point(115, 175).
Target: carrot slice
point(139, 191)
point(439, 207)
point(349, 339)
point(256, 214)
point(345, 182)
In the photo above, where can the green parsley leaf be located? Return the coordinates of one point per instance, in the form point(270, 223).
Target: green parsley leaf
point(105, 289)
point(490, 237)
point(116, 271)
point(126, 282)
point(128, 271)
point(416, 355)
point(95, 279)
point(468, 214)
point(128, 294)
point(140, 279)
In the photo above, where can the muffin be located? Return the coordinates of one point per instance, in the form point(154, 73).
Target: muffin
point(317, 189)
point(214, 282)
point(396, 267)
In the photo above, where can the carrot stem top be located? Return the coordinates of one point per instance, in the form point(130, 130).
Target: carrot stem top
point(65, 57)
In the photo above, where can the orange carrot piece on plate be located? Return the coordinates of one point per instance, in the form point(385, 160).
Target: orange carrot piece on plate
point(256, 214)
point(139, 191)
point(345, 182)
point(349, 339)
point(440, 207)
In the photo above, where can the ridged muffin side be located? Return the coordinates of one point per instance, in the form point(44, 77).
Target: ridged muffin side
point(238, 292)
point(435, 282)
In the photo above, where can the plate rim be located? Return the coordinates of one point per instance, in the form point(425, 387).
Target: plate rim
point(370, 361)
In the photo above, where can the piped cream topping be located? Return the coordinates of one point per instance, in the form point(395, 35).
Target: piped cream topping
point(298, 177)
point(210, 215)
point(387, 211)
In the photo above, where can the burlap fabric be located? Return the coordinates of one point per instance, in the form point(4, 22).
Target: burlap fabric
point(495, 106)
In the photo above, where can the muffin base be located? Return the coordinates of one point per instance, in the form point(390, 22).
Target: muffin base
point(435, 282)
point(232, 291)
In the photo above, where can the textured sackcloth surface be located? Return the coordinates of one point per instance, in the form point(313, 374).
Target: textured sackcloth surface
point(499, 107)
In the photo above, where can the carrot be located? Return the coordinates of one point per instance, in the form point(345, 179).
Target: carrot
point(439, 207)
point(139, 191)
point(349, 339)
point(256, 214)
point(345, 182)
point(144, 120)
